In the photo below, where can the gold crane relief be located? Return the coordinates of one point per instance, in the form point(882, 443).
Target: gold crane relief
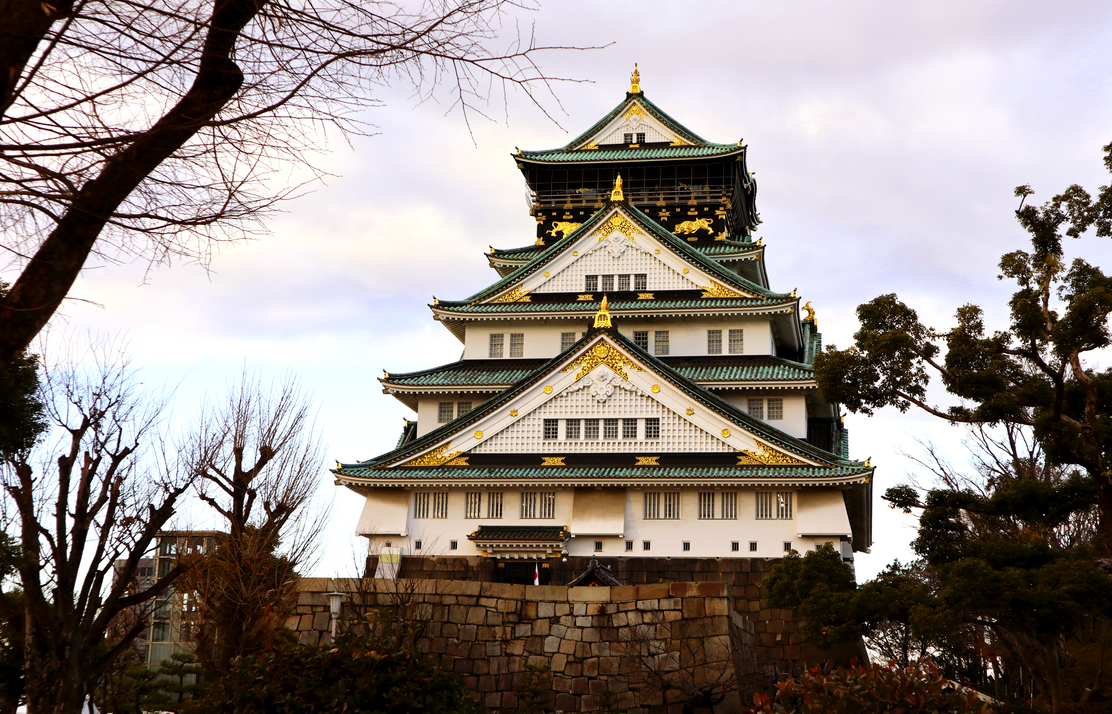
point(437, 457)
point(768, 457)
point(602, 353)
point(515, 295)
point(690, 227)
point(564, 227)
point(717, 290)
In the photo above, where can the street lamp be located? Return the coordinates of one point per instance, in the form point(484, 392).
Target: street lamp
point(334, 602)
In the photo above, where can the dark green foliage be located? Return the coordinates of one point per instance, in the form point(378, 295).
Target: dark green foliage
point(535, 693)
point(22, 420)
point(345, 677)
point(820, 588)
point(918, 689)
point(178, 680)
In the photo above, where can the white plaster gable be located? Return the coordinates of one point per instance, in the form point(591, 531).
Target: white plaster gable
point(635, 119)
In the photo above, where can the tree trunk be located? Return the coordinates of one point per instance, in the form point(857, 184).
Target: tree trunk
point(54, 684)
point(1104, 506)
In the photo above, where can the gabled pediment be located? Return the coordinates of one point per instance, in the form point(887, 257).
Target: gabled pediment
point(640, 120)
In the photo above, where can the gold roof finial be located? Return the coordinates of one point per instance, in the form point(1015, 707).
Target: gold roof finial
point(635, 80)
point(810, 312)
point(602, 317)
point(794, 293)
point(616, 194)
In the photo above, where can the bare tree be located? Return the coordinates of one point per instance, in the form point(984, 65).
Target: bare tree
point(150, 128)
point(88, 504)
point(258, 463)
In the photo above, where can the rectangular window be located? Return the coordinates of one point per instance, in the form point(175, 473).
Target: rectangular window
point(729, 505)
point(652, 505)
point(590, 283)
point(641, 339)
point(627, 138)
point(737, 342)
point(629, 545)
point(567, 339)
point(623, 282)
point(440, 504)
point(735, 547)
point(548, 504)
point(571, 430)
point(641, 281)
point(662, 505)
point(496, 344)
point(453, 545)
point(528, 504)
point(774, 506)
point(660, 342)
point(672, 504)
point(551, 428)
point(646, 545)
point(714, 342)
point(640, 137)
point(775, 409)
point(787, 546)
point(752, 546)
point(598, 546)
point(538, 504)
point(417, 545)
point(160, 632)
point(494, 505)
point(609, 428)
point(706, 505)
point(445, 412)
point(590, 429)
point(421, 504)
point(606, 283)
point(629, 428)
point(463, 407)
point(784, 505)
point(686, 546)
point(757, 408)
point(652, 428)
point(517, 344)
point(474, 505)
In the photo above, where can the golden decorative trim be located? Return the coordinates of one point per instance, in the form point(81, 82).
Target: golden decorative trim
point(635, 110)
point(810, 312)
point(515, 295)
point(685, 271)
point(694, 226)
point(513, 412)
point(647, 461)
point(656, 252)
point(690, 411)
point(616, 193)
point(539, 241)
point(436, 457)
point(656, 389)
point(591, 146)
point(564, 227)
point(679, 141)
point(575, 252)
point(602, 317)
point(459, 461)
point(553, 461)
point(478, 434)
point(725, 433)
point(635, 80)
point(617, 223)
point(768, 457)
point(548, 387)
point(645, 296)
point(589, 297)
point(793, 292)
point(602, 353)
point(546, 273)
point(716, 290)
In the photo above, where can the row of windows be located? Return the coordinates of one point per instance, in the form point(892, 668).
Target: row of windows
point(658, 505)
point(606, 283)
point(646, 545)
point(775, 411)
point(637, 137)
point(588, 429)
point(661, 342)
point(736, 343)
point(446, 411)
point(498, 344)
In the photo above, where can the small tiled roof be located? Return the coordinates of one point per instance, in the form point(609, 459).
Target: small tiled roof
point(741, 369)
point(504, 533)
point(718, 247)
point(595, 473)
point(616, 306)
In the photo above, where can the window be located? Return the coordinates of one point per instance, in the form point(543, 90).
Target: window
point(652, 505)
point(735, 547)
point(640, 137)
point(714, 342)
point(641, 339)
point(627, 138)
point(757, 408)
point(641, 281)
point(473, 505)
point(598, 546)
point(160, 632)
point(706, 505)
point(567, 339)
point(517, 345)
point(453, 545)
point(629, 428)
point(774, 506)
point(421, 504)
point(660, 342)
point(444, 412)
point(775, 409)
point(590, 283)
point(671, 504)
point(787, 546)
point(571, 430)
point(737, 342)
point(463, 407)
point(440, 504)
point(590, 429)
point(662, 505)
point(494, 505)
point(609, 428)
point(417, 545)
point(729, 505)
point(496, 344)
point(623, 282)
point(551, 428)
point(752, 546)
point(629, 545)
point(686, 546)
point(646, 545)
point(652, 428)
point(538, 504)
point(606, 284)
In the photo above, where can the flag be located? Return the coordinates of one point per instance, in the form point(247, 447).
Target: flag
point(536, 575)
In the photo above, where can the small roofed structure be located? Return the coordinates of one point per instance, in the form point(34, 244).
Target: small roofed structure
point(595, 576)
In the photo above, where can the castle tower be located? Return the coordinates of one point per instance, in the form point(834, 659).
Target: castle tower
point(631, 388)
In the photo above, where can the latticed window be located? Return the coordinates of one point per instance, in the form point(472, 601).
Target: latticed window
point(660, 342)
point(606, 283)
point(640, 137)
point(538, 504)
point(641, 281)
point(609, 428)
point(590, 429)
point(627, 138)
point(571, 429)
point(463, 407)
point(652, 505)
point(775, 408)
point(473, 505)
point(706, 505)
point(439, 504)
point(662, 505)
point(629, 428)
point(774, 505)
point(652, 428)
point(672, 504)
point(445, 412)
point(567, 339)
point(686, 546)
point(590, 283)
point(623, 282)
point(497, 343)
point(757, 408)
point(517, 344)
point(421, 504)
point(494, 505)
point(737, 342)
point(641, 339)
point(551, 428)
point(714, 342)
point(729, 505)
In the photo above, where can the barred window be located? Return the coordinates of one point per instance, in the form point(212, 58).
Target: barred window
point(735, 546)
point(652, 428)
point(641, 281)
point(421, 504)
point(737, 342)
point(660, 342)
point(416, 545)
point(517, 344)
point(440, 504)
point(598, 546)
point(567, 339)
point(590, 283)
point(714, 342)
point(629, 545)
point(538, 504)
point(775, 409)
point(474, 505)
point(494, 505)
point(686, 546)
point(571, 429)
point(757, 408)
point(774, 506)
point(609, 428)
point(627, 138)
point(662, 505)
point(590, 429)
point(641, 339)
point(706, 505)
point(646, 545)
point(551, 428)
point(672, 504)
point(606, 283)
point(752, 546)
point(463, 407)
point(629, 428)
point(623, 282)
point(729, 505)
point(445, 411)
point(652, 505)
point(453, 544)
point(497, 342)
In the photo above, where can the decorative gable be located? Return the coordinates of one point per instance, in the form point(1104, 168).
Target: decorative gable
point(635, 125)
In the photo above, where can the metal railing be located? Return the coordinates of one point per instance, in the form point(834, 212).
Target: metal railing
point(695, 195)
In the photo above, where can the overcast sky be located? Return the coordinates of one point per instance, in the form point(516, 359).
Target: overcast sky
point(886, 139)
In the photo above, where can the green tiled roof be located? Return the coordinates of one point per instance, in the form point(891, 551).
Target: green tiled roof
point(721, 247)
point(468, 373)
point(525, 473)
point(759, 369)
point(520, 533)
point(590, 308)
